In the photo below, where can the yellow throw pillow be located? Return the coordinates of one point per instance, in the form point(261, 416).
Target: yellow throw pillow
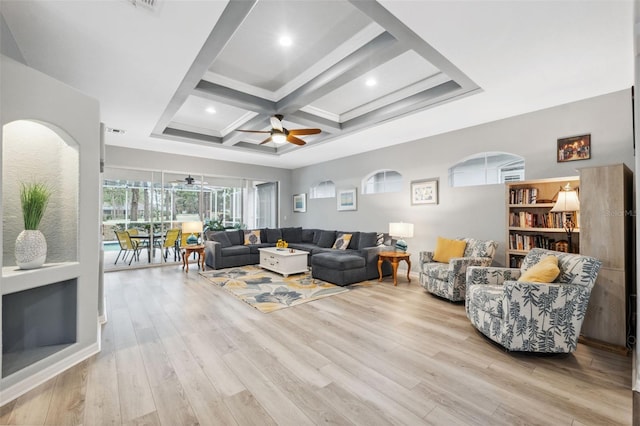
point(251, 237)
point(544, 271)
point(448, 249)
point(342, 242)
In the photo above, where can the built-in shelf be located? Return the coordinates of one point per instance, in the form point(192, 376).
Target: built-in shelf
point(520, 228)
point(15, 279)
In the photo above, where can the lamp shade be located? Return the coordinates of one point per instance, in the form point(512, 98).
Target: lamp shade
point(191, 227)
point(567, 200)
point(401, 229)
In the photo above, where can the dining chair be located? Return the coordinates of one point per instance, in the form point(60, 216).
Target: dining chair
point(127, 245)
point(169, 241)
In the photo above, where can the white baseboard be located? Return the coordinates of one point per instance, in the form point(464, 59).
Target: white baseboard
point(14, 391)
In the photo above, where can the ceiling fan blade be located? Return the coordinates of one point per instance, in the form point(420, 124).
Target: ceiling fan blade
point(267, 140)
point(295, 140)
point(304, 131)
point(253, 131)
point(276, 122)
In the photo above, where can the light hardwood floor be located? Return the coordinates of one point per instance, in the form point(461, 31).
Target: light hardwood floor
point(179, 351)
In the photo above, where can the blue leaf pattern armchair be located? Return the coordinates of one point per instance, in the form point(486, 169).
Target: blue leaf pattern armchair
point(532, 317)
point(448, 280)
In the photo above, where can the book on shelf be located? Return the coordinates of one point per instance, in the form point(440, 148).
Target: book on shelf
point(523, 196)
point(523, 242)
point(526, 219)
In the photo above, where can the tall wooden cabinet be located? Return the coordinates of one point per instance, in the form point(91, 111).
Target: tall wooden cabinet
point(607, 234)
point(529, 220)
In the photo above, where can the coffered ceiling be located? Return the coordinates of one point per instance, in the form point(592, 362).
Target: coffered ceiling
point(338, 66)
point(183, 76)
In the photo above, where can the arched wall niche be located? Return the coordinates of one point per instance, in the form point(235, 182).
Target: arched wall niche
point(37, 151)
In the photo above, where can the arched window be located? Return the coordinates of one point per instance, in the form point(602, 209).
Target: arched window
point(382, 181)
point(486, 168)
point(324, 189)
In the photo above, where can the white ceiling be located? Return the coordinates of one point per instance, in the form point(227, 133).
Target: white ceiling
point(523, 56)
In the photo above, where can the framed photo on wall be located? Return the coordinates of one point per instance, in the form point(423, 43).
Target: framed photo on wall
point(347, 199)
point(424, 191)
point(574, 148)
point(300, 203)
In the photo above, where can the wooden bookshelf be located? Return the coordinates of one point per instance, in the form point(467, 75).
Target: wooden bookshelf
point(530, 223)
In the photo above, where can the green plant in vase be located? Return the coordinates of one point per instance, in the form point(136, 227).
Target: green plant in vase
point(31, 246)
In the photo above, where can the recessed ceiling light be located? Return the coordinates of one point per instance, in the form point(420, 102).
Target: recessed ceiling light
point(285, 41)
point(371, 82)
point(211, 110)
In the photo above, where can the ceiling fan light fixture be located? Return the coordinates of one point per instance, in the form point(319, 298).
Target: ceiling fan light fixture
point(279, 138)
point(285, 41)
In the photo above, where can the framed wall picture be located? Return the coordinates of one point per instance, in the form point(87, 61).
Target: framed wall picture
point(300, 203)
point(347, 199)
point(424, 191)
point(574, 148)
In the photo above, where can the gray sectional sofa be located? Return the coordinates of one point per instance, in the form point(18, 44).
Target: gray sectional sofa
point(358, 262)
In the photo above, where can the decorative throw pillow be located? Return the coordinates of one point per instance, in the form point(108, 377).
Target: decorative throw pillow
point(448, 249)
point(252, 237)
point(342, 242)
point(543, 272)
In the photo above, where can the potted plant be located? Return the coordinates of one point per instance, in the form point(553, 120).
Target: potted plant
point(31, 246)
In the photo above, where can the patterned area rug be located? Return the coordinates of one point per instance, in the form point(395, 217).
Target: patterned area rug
point(268, 291)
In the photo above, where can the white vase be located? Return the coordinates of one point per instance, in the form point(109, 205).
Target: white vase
point(31, 249)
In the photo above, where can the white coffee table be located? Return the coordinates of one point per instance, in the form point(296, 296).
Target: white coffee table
point(283, 261)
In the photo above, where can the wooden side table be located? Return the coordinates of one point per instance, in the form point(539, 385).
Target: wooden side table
point(394, 257)
point(186, 252)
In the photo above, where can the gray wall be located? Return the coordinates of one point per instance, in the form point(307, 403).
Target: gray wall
point(148, 160)
point(477, 211)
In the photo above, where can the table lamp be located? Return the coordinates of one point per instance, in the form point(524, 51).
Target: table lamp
point(401, 230)
point(567, 203)
point(192, 228)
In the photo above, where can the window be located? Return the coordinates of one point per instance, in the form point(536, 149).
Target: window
point(324, 189)
point(382, 181)
point(486, 168)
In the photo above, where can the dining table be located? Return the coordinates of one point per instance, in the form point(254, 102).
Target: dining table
point(148, 238)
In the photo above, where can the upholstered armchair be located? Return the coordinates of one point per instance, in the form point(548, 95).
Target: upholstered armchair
point(448, 279)
point(532, 316)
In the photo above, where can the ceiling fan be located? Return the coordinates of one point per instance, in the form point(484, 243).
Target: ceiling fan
point(278, 134)
point(189, 180)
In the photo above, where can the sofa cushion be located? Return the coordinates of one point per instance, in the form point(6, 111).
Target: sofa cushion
point(326, 239)
point(255, 248)
point(237, 250)
point(222, 238)
point(292, 235)
point(342, 241)
point(252, 237)
point(447, 249)
point(338, 260)
point(273, 235)
point(307, 235)
point(367, 239)
point(236, 237)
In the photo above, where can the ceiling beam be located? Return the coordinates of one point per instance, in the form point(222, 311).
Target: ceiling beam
point(378, 51)
point(215, 92)
point(234, 13)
